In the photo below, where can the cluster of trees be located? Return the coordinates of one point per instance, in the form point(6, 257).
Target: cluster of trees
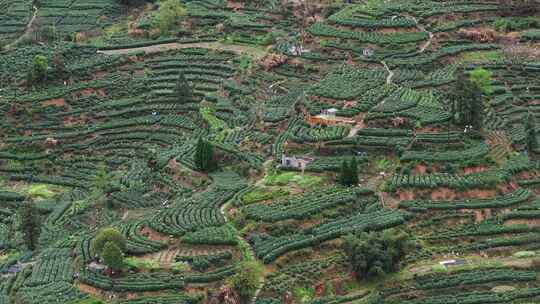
point(30, 225)
point(375, 254)
point(348, 174)
point(38, 70)
point(467, 104)
point(169, 13)
point(248, 278)
point(110, 246)
point(204, 156)
point(530, 127)
point(183, 89)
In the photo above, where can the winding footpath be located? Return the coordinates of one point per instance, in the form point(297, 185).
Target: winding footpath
point(256, 53)
point(390, 73)
point(27, 31)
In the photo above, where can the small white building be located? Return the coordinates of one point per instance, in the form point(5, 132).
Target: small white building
point(453, 262)
point(329, 112)
point(294, 162)
point(367, 52)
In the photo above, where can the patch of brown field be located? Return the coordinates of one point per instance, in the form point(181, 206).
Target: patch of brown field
point(139, 72)
point(406, 195)
point(420, 169)
point(71, 121)
point(429, 130)
point(479, 194)
point(100, 75)
point(524, 175)
point(153, 235)
point(390, 201)
point(135, 58)
point(478, 216)
point(477, 169)
point(443, 194)
point(88, 92)
point(91, 290)
point(58, 102)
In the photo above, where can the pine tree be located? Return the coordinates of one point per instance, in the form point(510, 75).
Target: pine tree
point(204, 156)
point(30, 225)
point(353, 167)
point(342, 177)
point(199, 154)
point(183, 90)
point(467, 101)
point(532, 143)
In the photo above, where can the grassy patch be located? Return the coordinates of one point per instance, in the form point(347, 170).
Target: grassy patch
point(481, 56)
point(261, 194)
point(144, 264)
point(524, 254)
point(40, 191)
point(288, 178)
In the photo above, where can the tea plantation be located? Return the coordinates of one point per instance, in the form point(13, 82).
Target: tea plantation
point(269, 151)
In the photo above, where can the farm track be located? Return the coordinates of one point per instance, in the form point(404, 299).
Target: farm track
point(252, 252)
point(27, 31)
point(256, 53)
point(390, 73)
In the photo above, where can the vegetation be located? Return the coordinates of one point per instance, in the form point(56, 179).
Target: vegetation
point(204, 156)
point(377, 253)
point(30, 225)
point(266, 151)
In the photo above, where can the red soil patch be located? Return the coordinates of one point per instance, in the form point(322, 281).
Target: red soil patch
point(90, 290)
point(443, 194)
point(478, 169)
point(480, 215)
point(406, 195)
point(429, 130)
point(71, 121)
point(59, 102)
point(100, 75)
point(479, 194)
point(153, 235)
point(420, 169)
point(89, 92)
point(138, 72)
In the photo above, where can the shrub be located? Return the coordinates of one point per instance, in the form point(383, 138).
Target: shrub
point(247, 279)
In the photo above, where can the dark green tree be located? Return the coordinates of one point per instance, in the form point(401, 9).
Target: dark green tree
point(353, 167)
point(467, 102)
point(348, 173)
point(107, 235)
point(376, 253)
point(38, 70)
point(112, 256)
point(204, 156)
point(342, 176)
point(183, 90)
point(532, 142)
point(30, 225)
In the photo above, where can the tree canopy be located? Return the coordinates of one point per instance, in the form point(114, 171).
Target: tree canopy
point(374, 254)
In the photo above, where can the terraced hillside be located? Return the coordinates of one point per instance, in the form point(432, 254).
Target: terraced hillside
point(220, 151)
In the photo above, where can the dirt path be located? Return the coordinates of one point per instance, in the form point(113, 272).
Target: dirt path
point(27, 31)
point(423, 29)
point(255, 52)
point(390, 73)
point(223, 210)
point(475, 261)
point(359, 125)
